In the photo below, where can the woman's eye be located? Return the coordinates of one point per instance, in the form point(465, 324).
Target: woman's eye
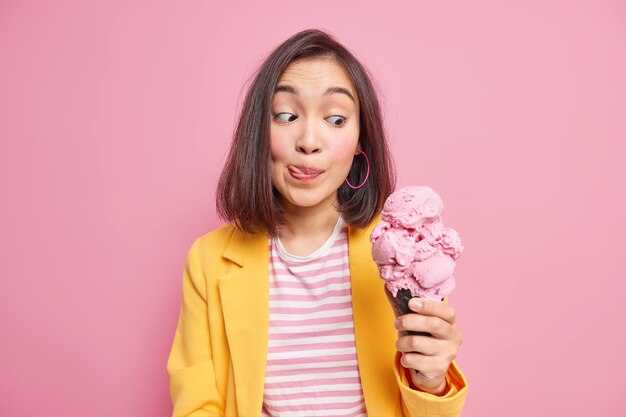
point(337, 120)
point(286, 117)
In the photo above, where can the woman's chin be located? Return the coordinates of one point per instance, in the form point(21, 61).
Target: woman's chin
point(304, 201)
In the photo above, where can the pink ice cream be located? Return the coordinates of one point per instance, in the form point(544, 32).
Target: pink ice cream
point(412, 247)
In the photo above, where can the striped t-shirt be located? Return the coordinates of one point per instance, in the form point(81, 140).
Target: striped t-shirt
point(311, 360)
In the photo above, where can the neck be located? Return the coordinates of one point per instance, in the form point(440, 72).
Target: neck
point(314, 224)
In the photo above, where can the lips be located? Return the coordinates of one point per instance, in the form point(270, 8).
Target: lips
point(303, 173)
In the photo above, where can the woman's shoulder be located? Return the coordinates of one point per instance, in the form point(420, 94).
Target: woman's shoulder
point(212, 241)
point(229, 241)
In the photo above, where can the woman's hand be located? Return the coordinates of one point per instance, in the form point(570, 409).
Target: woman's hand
point(428, 358)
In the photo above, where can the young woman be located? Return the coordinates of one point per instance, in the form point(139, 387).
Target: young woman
point(283, 312)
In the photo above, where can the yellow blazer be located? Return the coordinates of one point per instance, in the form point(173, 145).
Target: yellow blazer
point(218, 357)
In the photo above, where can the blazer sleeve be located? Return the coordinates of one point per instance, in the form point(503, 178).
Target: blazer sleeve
point(193, 389)
point(417, 403)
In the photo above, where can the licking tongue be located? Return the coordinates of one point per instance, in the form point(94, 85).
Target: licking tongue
point(303, 171)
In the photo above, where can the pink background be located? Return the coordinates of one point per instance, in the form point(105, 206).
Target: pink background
point(114, 123)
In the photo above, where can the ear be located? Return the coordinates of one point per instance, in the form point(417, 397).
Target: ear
point(358, 148)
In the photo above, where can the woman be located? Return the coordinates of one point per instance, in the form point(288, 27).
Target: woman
point(283, 312)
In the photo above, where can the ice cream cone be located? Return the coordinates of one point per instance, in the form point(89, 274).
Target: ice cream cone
point(415, 252)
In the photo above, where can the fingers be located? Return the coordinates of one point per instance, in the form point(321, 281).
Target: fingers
point(437, 327)
point(428, 346)
point(433, 308)
point(431, 367)
point(429, 356)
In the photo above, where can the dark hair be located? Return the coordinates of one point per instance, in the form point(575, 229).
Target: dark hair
point(245, 195)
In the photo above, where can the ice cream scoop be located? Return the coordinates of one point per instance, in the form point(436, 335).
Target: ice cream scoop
point(415, 253)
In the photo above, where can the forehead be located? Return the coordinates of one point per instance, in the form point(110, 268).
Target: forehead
point(315, 73)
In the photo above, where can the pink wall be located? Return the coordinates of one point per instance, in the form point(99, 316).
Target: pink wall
point(114, 122)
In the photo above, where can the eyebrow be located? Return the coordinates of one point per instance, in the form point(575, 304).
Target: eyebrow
point(330, 90)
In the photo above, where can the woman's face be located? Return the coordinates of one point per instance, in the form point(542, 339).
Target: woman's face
point(314, 133)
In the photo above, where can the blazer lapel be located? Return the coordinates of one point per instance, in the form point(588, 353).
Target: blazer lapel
point(373, 326)
point(245, 304)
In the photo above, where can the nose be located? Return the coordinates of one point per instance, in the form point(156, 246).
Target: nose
point(308, 142)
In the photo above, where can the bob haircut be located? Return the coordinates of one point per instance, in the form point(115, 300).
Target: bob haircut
point(245, 194)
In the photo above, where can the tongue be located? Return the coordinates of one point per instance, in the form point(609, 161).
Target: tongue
point(303, 171)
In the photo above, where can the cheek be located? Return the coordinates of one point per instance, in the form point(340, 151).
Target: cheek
point(277, 146)
point(344, 150)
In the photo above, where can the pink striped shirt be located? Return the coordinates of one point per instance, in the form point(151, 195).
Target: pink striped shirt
point(311, 360)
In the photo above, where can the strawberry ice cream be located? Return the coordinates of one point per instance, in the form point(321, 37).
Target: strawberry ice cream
point(414, 251)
